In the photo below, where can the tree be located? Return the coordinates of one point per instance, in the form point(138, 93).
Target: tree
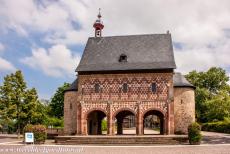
point(18, 104)
point(218, 108)
point(209, 86)
point(57, 101)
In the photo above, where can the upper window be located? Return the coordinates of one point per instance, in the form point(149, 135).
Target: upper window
point(125, 88)
point(70, 106)
point(154, 87)
point(123, 58)
point(97, 88)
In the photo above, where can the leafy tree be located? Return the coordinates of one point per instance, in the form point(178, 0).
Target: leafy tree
point(18, 103)
point(218, 108)
point(209, 87)
point(57, 101)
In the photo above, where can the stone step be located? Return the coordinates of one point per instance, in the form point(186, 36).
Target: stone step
point(74, 140)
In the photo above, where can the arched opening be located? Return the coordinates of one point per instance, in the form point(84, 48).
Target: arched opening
point(125, 122)
point(96, 123)
point(153, 122)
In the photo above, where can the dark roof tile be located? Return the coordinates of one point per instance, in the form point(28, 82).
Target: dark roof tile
point(144, 52)
point(180, 81)
point(73, 86)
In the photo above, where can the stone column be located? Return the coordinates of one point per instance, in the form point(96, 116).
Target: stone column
point(170, 118)
point(83, 120)
point(139, 120)
point(109, 119)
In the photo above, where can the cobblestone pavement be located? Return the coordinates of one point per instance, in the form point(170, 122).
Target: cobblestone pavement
point(176, 149)
point(213, 143)
point(215, 138)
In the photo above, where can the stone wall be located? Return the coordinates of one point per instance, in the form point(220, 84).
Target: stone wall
point(70, 112)
point(111, 85)
point(139, 98)
point(184, 108)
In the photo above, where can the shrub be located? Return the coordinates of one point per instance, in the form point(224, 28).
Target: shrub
point(220, 126)
point(194, 133)
point(39, 132)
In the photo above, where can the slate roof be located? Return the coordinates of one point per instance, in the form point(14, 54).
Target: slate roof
point(144, 52)
point(73, 86)
point(180, 81)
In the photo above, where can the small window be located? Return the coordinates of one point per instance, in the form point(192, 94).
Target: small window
point(97, 88)
point(123, 58)
point(154, 87)
point(125, 88)
point(70, 106)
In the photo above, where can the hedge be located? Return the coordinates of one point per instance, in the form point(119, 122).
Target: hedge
point(220, 126)
point(39, 132)
point(194, 133)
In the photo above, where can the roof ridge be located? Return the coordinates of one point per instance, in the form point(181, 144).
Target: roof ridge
point(131, 35)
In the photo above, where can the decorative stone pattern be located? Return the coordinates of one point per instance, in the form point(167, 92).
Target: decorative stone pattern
point(139, 89)
point(111, 99)
point(184, 109)
point(139, 86)
point(88, 106)
point(119, 106)
point(158, 105)
point(176, 104)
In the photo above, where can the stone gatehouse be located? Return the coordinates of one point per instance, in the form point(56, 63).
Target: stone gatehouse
point(119, 76)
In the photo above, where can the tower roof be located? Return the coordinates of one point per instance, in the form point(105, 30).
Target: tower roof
point(140, 52)
point(98, 23)
point(180, 81)
point(73, 86)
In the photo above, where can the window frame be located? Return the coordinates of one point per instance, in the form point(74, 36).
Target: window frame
point(123, 58)
point(154, 87)
point(125, 88)
point(97, 88)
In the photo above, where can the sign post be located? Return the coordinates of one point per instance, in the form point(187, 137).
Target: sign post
point(29, 137)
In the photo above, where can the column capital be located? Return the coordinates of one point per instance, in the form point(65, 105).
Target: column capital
point(109, 102)
point(82, 103)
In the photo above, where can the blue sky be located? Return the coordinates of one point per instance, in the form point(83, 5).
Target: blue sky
point(45, 38)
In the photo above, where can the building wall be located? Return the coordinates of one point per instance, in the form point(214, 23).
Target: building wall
point(139, 86)
point(184, 108)
point(70, 112)
point(139, 99)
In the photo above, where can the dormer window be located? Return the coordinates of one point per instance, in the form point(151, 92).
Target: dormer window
point(123, 58)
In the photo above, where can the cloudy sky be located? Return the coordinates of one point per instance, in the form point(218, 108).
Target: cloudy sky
point(45, 38)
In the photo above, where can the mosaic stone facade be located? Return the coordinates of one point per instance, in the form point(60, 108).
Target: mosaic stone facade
point(139, 98)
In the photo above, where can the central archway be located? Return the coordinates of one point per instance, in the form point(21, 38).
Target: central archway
point(95, 121)
point(125, 122)
point(153, 122)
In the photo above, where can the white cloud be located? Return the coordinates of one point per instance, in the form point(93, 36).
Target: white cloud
point(57, 61)
point(199, 25)
point(201, 58)
point(6, 65)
